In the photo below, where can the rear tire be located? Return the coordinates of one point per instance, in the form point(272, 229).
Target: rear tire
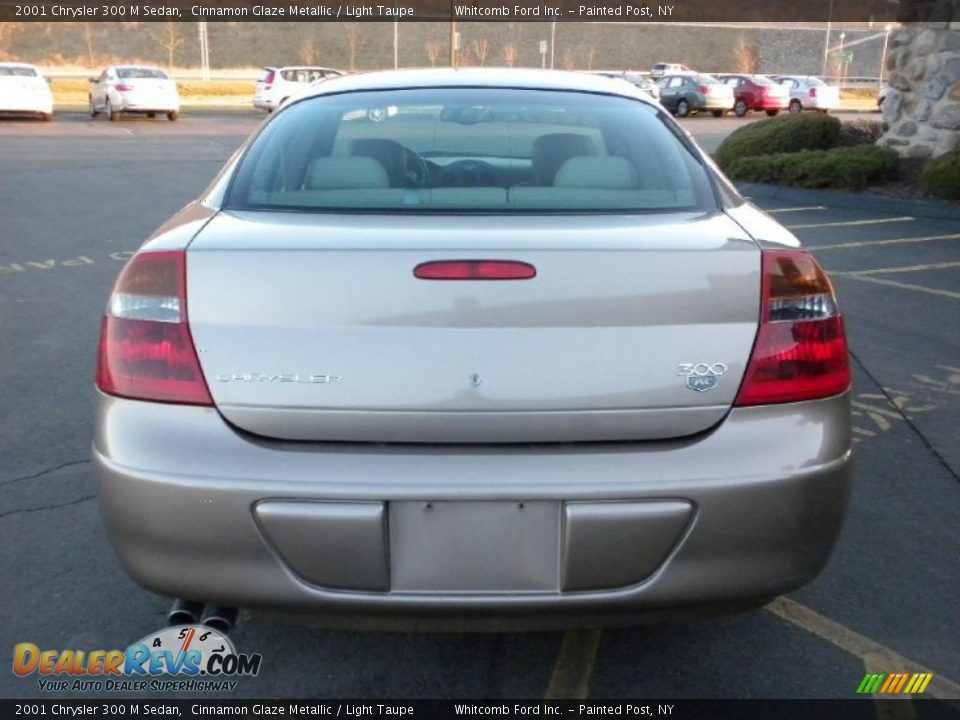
point(93, 111)
point(46, 117)
point(795, 107)
point(772, 113)
point(740, 108)
point(718, 113)
point(683, 108)
point(173, 115)
point(111, 113)
point(151, 115)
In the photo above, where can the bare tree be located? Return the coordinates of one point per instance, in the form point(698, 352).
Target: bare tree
point(568, 62)
point(308, 51)
point(433, 48)
point(746, 56)
point(167, 36)
point(591, 56)
point(88, 38)
point(7, 32)
point(353, 42)
point(510, 54)
point(481, 49)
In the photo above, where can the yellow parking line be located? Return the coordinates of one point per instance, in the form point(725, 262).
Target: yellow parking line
point(574, 667)
point(848, 223)
point(852, 642)
point(796, 209)
point(891, 241)
point(902, 268)
point(907, 286)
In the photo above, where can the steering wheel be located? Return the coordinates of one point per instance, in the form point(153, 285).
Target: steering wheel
point(416, 173)
point(469, 173)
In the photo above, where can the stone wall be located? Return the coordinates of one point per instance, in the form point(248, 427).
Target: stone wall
point(922, 110)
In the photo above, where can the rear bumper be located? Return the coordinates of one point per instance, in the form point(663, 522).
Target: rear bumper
point(26, 106)
point(264, 104)
point(821, 103)
point(773, 104)
point(147, 105)
point(715, 103)
point(577, 534)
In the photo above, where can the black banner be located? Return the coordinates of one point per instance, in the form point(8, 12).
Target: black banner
point(862, 709)
point(635, 11)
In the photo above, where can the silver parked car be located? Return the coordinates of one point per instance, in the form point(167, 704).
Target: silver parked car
point(133, 89)
point(512, 353)
point(810, 93)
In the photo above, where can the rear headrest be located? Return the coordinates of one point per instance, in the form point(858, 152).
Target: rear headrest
point(592, 171)
point(345, 173)
point(550, 151)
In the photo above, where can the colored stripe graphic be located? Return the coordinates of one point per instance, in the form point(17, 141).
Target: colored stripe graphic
point(894, 683)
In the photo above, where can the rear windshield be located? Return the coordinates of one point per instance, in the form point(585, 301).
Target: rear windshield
point(17, 72)
point(816, 81)
point(470, 150)
point(762, 80)
point(705, 79)
point(134, 73)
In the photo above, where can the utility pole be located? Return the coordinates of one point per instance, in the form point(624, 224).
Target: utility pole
point(553, 40)
point(396, 45)
point(826, 40)
point(204, 51)
point(454, 43)
point(883, 55)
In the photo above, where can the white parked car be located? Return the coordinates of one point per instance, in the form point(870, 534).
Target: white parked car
point(280, 84)
point(134, 89)
point(24, 90)
point(810, 93)
point(659, 70)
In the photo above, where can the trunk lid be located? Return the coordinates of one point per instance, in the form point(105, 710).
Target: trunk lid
point(313, 326)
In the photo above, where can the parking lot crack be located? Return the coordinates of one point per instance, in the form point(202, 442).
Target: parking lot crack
point(899, 412)
point(21, 511)
point(47, 471)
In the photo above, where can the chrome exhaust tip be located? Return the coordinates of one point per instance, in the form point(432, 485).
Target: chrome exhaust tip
point(220, 618)
point(184, 612)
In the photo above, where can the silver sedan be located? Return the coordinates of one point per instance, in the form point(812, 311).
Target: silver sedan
point(475, 348)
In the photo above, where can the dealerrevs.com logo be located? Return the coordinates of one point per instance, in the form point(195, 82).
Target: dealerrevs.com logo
point(183, 658)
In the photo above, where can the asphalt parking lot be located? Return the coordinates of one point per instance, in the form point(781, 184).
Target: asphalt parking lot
point(78, 195)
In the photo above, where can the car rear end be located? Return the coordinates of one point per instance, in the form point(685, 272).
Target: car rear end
point(264, 94)
point(145, 90)
point(770, 95)
point(569, 388)
point(24, 90)
point(820, 96)
point(713, 94)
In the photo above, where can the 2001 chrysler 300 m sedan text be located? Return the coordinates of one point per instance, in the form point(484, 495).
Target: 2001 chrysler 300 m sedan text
point(473, 347)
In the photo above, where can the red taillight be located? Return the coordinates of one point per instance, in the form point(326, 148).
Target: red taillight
point(269, 78)
point(703, 90)
point(801, 348)
point(813, 92)
point(124, 88)
point(146, 351)
point(475, 270)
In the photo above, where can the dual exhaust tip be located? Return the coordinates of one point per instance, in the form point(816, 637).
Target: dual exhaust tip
point(216, 617)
